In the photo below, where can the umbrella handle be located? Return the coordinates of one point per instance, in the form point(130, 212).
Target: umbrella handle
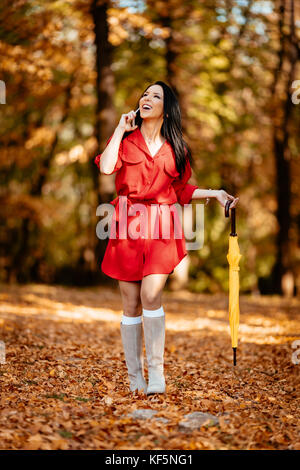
point(227, 206)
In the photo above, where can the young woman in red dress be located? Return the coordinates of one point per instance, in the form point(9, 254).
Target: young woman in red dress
point(152, 163)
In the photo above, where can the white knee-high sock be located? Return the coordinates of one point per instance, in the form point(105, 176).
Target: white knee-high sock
point(159, 312)
point(131, 320)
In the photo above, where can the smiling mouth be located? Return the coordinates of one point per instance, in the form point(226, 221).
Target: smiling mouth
point(146, 109)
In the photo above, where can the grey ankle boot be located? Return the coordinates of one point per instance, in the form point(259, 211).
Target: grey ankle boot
point(133, 349)
point(154, 333)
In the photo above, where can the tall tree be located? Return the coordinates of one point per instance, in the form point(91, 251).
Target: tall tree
point(282, 112)
point(105, 108)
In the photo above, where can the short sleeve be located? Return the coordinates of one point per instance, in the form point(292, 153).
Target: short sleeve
point(183, 190)
point(119, 160)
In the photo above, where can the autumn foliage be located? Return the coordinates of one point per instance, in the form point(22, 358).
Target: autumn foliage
point(71, 68)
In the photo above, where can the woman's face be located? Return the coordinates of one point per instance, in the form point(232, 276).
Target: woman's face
point(154, 97)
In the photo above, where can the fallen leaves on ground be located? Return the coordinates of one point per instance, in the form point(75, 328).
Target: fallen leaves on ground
point(64, 383)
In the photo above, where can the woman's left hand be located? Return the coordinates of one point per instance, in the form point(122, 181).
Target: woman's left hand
point(222, 196)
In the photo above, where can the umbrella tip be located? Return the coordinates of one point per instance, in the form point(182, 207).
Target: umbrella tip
point(234, 356)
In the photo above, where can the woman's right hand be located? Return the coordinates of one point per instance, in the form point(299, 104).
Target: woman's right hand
point(127, 122)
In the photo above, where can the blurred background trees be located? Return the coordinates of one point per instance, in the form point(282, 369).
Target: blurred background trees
point(71, 68)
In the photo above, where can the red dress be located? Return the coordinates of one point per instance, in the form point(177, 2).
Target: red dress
point(149, 181)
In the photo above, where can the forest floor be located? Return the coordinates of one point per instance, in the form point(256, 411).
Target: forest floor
point(64, 381)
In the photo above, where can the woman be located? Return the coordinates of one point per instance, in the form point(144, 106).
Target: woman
point(152, 164)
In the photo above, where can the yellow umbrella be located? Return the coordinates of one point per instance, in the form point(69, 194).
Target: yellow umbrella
point(233, 258)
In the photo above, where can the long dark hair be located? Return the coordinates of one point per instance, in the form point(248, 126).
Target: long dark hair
point(171, 128)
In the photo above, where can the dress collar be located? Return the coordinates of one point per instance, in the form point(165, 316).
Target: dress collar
point(137, 138)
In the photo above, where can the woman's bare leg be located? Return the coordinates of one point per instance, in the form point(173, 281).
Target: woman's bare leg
point(130, 293)
point(151, 290)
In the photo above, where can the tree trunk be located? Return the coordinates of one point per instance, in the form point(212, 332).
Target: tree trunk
point(287, 59)
point(105, 111)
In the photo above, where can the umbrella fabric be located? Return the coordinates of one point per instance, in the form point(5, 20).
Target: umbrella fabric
point(233, 258)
